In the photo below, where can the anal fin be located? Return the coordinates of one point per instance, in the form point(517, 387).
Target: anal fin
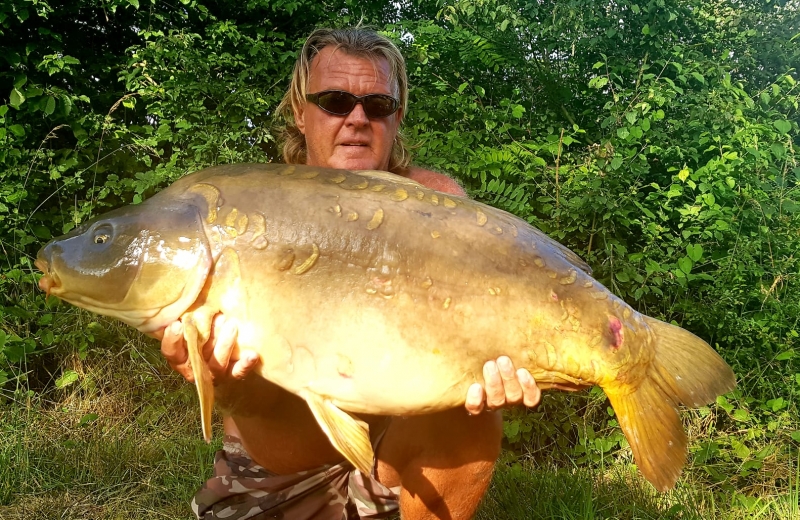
point(347, 434)
point(202, 375)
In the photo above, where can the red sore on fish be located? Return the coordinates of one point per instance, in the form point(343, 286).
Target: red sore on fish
point(615, 327)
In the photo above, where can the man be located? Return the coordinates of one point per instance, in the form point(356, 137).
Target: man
point(344, 108)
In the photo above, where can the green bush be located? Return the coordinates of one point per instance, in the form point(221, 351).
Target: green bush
point(655, 138)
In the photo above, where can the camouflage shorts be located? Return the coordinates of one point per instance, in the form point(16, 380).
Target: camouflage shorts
point(241, 489)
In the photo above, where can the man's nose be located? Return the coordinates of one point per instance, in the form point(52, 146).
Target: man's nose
point(357, 117)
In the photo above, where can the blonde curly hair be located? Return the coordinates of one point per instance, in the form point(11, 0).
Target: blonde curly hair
point(359, 42)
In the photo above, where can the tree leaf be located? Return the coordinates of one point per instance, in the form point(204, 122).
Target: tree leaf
point(685, 264)
point(782, 126)
point(66, 379)
point(50, 106)
point(87, 419)
point(16, 98)
point(695, 252)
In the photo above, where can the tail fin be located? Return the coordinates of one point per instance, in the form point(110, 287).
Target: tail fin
point(685, 370)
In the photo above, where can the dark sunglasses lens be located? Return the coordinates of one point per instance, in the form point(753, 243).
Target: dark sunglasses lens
point(339, 103)
point(378, 106)
point(342, 103)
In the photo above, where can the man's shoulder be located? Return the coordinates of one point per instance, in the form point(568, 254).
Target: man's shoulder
point(433, 180)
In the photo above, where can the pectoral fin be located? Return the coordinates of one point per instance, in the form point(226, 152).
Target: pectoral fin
point(202, 375)
point(347, 434)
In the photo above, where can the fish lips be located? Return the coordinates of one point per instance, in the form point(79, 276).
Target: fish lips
point(49, 282)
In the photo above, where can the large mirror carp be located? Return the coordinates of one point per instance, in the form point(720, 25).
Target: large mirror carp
point(365, 292)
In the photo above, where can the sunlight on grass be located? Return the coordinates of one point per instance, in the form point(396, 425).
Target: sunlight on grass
point(123, 441)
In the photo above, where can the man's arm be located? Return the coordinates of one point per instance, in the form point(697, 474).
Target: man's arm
point(433, 180)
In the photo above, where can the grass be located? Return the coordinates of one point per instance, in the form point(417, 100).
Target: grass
point(123, 441)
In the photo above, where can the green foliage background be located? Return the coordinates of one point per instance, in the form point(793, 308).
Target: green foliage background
point(658, 139)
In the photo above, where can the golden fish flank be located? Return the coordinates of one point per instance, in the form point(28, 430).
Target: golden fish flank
point(449, 203)
point(285, 261)
point(258, 240)
point(435, 234)
point(308, 174)
point(380, 285)
point(399, 195)
point(481, 217)
point(376, 220)
point(352, 216)
point(566, 343)
point(420, 195)
point(211, 196)
point(344, 366)
point(358, 185)
point(241, 224)
point(337, 178)
point(570, 278)
point(310, 261)
point(230, 222)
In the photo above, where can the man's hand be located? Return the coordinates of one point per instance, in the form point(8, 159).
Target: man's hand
point(503, 387)
point(217, 351)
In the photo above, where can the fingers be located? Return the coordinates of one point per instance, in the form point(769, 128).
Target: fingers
point(475, 399)
point(244, 364)
point(503, 386)
point(219, 346)
point(173, 348)
point(532, 394)
point(493, 386)
point(512, 387)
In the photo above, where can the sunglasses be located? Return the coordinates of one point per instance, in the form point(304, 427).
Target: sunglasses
point(341, 103)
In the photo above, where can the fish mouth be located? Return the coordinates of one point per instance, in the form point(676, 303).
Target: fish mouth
point(50, 282)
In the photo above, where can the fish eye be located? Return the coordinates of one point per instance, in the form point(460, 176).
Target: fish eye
point(102, 233)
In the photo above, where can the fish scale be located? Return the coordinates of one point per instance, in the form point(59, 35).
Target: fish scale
point(364, 292)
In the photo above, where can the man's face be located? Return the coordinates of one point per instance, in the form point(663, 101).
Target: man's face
point(354, 141)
